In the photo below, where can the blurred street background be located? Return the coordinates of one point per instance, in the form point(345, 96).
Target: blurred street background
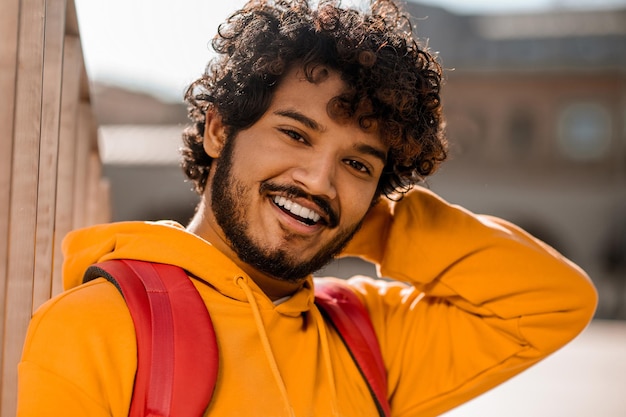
point(535, 99)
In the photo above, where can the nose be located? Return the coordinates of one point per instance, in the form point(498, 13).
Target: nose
point(316, 175)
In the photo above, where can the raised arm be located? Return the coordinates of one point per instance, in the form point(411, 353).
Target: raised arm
point(484, 300)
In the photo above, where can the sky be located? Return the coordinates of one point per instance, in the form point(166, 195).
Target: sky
point(161, 46)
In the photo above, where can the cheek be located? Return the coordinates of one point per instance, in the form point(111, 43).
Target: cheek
point(356, 202)
point(263, 160)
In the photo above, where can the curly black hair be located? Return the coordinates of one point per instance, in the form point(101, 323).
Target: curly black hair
point(393, 84)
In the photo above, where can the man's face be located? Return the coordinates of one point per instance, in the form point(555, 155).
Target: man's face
point(290, 191)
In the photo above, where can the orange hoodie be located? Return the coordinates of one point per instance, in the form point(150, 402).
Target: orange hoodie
point(473, 300)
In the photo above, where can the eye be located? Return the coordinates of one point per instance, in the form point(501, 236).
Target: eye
point(293, 135)
point(358, 166)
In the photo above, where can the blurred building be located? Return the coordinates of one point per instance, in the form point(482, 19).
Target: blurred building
point(536, 110)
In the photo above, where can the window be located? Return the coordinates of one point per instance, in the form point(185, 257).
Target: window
point(521, 132)
point(584, 131)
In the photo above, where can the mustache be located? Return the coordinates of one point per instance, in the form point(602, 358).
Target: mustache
point(296, 192)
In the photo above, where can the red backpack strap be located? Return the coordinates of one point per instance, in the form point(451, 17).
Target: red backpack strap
point(177, 354)
point(348, 315)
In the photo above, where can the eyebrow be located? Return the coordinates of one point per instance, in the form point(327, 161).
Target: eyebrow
point(371, 150)
point(312, 124)
point(299, 117)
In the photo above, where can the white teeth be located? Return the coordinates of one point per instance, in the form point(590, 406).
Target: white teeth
point(297, 209)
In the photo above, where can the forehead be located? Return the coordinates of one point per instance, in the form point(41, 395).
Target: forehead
point(308, 104)
point(323, 93)
point(317, 87)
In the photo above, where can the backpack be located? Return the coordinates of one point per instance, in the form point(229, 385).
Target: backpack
point(178, 359)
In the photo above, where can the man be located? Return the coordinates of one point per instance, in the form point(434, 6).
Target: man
point(306, 125)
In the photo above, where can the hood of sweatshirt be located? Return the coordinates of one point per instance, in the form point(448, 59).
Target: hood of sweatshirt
point(168, 242)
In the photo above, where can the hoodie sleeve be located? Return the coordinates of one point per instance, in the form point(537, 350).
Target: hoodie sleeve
point(474, 300)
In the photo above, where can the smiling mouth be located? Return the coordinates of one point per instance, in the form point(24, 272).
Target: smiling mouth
point(298, 212)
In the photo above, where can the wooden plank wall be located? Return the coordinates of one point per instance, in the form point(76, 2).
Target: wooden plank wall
point(49, 163)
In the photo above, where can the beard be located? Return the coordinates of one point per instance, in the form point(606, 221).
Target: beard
point(228, 198)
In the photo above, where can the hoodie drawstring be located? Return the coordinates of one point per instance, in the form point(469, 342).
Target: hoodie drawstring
point(266, 344)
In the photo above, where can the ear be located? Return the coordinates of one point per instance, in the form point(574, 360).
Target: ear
point(214, 134)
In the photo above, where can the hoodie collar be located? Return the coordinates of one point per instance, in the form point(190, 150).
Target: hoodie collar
point(168, 242)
